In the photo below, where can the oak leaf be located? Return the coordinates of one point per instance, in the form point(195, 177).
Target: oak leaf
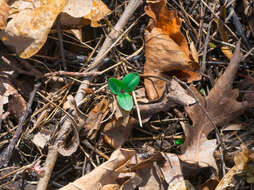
point(166, 49)
point(222, 107)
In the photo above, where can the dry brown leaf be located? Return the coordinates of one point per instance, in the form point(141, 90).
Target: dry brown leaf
point(41, 138)
point(222, 107)
point(115, 133)
point(172, 172)
point(160, 171)
point(31, 22)
point(28, 30)
point(4, 13)
point(251, 24)
point(16, 103)
point(132, 183)
point(210, 184)
point(94, 118)
point(244, 165)
point(103, 175)
point(93, 11)
point(166, 49)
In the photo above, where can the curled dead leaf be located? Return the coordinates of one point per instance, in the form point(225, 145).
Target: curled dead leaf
point(166, 50)
point(16, 103)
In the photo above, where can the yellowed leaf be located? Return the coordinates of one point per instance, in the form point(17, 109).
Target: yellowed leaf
point(4, 13)
point(227, 52)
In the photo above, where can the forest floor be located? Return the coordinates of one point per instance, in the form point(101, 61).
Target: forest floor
point(127, 94)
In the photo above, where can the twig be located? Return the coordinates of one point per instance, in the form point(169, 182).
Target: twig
point(72, 74)
point(90, 146)
point(138, 110)
point(7, 153)
point(111, 38)
point(60, 38)
point(48, 167)
point(203, 67)
point(202, 14)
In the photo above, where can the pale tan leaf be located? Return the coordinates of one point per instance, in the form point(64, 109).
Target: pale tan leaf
point(4, 13)
point(40, 139)
point(105, 174)
point(84, 12)
point(28, 30)
point(78, 8)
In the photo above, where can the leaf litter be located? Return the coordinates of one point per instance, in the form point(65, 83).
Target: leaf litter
point(68, 142)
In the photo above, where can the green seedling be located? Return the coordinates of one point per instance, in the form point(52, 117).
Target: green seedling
point(179, 141)
point(202, 91)
point(123, 88)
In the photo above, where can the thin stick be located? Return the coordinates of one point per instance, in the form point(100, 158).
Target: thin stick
point(7, 153)
point(111, 38)
point(61, 43)
point(138, 110)
point(48, 167)
point(203, 67)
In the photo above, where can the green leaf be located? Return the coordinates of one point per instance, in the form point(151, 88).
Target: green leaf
point(115, 85)
point(179, 141)
point(130, 82)
point(202, 91)
point(212, 45)
point(125, 101)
